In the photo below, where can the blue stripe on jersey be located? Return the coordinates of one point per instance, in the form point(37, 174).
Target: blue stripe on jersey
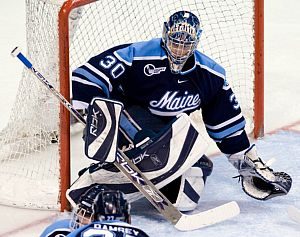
point(227, 132)
point(145, 49)
point(92, 78)
point(211, 65)
point(58, 228)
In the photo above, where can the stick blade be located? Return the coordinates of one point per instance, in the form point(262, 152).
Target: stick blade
point(209, 217)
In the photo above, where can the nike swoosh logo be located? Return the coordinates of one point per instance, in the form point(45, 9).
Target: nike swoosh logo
point(181, 81)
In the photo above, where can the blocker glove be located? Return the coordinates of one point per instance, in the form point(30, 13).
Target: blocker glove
point(101, 131)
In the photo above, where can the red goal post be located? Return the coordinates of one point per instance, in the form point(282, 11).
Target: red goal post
point(258, 116)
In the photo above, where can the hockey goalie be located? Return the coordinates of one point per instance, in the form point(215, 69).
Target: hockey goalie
point(138, 98)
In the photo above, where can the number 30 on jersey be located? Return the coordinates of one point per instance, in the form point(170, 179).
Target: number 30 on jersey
point(111, 63)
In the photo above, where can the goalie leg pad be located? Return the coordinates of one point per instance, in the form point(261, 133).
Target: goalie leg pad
point(161, 159)
point(167, 156)
point(192, 184)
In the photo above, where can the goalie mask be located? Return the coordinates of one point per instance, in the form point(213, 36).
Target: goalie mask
point(98, 204)
point(181, 34)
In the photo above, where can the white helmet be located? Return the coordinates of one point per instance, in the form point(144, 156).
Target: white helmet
point(181, 34)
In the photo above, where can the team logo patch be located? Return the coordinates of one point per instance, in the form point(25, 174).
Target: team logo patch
point(171, 102)
point(150, 70)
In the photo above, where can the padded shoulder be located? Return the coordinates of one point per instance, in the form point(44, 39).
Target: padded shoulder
point(145, 50)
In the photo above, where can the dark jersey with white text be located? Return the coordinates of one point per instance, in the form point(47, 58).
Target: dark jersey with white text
point(139, 73)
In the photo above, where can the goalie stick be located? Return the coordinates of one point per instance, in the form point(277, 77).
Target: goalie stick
point(181, 221)
point(294, 213)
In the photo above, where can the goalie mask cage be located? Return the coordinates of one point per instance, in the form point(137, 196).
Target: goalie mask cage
point(62, 35)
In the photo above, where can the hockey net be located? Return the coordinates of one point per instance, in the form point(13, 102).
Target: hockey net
point(61, 35)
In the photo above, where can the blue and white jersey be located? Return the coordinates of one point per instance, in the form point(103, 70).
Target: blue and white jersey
point(59, 228)
point(108, 229)
point(98, 228)
point(140, 73)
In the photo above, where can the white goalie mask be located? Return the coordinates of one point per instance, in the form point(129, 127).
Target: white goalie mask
point(181, 34)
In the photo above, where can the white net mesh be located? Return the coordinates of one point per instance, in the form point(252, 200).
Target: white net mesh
point(29, 164)
point(29, 154)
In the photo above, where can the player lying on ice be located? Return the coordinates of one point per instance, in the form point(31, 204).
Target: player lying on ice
point(99, 212)
point(160, 82)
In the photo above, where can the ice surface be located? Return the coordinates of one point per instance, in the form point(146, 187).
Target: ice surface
point(282, 107)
